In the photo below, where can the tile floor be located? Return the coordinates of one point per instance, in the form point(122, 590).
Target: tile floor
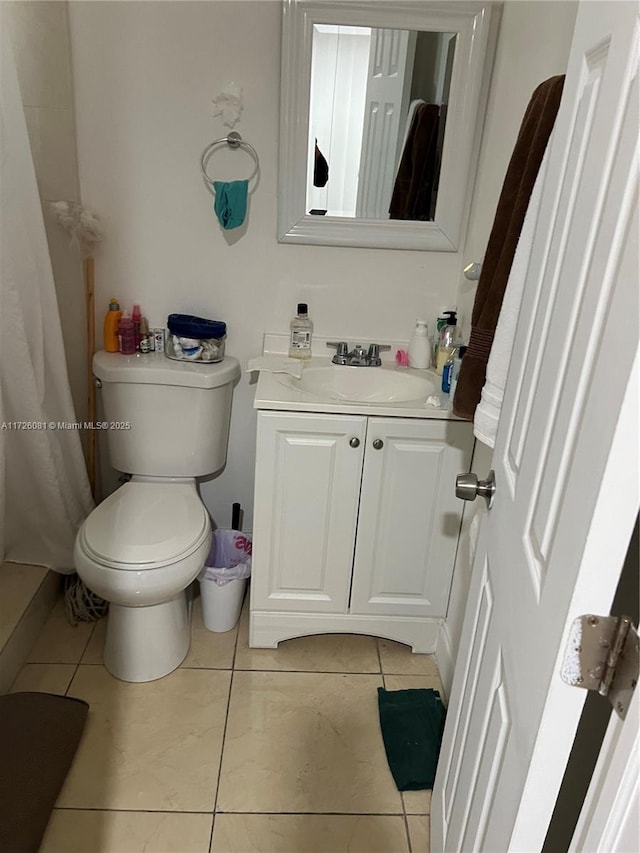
point(238, 751)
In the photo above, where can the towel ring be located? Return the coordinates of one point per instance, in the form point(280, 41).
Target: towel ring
point(232, 140)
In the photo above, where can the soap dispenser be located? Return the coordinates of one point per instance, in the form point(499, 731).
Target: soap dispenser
point(448, 341)
point(419, 351)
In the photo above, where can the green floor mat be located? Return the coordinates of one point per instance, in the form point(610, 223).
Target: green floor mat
point(412, 722)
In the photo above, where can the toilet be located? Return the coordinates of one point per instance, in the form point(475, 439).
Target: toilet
point(167, 422)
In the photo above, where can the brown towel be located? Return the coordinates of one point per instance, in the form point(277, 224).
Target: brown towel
point(522, 172)
point(414, 184)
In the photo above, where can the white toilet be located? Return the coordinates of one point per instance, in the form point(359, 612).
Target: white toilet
point(143, 545)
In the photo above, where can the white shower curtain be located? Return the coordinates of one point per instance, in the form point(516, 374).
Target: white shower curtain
point(44, 490)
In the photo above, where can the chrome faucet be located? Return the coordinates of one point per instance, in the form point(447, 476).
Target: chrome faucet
point(359, 356)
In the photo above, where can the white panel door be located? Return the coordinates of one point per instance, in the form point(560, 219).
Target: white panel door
point(566, 462)
point(306, 508)
point(390, 67)
point(409, 517)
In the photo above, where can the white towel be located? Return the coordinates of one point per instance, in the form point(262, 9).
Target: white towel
point(276, 364)
point(487, 415)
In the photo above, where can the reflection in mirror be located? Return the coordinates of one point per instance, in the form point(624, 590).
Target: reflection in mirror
point(377, 114)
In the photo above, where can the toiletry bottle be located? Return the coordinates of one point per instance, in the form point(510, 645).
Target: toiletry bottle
point(457, 364)
point(448, 341)
point(136, 316)
point(126, 335)
point(145, 340)
point(301, 333)
point(447, 370)
point(419, 351)
point(112, 317)
point(441, 322)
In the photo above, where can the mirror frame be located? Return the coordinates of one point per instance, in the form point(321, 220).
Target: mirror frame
point(476, 24)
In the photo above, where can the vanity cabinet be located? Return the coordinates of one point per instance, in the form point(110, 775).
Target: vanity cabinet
point(356, 525)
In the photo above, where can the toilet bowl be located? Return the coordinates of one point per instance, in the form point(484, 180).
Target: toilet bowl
point(144, 544)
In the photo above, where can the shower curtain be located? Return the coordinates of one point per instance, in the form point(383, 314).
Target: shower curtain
point(44, 490)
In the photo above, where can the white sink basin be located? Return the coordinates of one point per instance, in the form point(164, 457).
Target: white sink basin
point(364, 384)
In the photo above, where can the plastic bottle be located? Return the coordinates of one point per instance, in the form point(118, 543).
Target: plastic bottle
point(136, 316)
point(457, 364)
point(419, 351)
point(111, 320)
point(126, 335)
point(145, 338)
point(301, 333)
point(441, 322)
point(449, 339)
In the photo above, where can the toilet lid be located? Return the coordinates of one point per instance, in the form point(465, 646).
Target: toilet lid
point(146, 523)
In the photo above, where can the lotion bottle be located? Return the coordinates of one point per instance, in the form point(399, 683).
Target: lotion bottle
point(419, 352)
point(111, 320)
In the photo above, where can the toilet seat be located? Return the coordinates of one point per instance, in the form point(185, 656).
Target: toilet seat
point(145, 525)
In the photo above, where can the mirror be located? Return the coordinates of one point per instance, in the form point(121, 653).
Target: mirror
point(381, 113)
point(377, 116)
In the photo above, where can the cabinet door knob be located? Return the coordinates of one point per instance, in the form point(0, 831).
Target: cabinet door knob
point(378, 444)
point(354, 442)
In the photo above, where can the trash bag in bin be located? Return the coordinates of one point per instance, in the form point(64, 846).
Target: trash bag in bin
point(229, 558)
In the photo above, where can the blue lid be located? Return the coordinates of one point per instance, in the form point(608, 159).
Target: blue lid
point(187, 326)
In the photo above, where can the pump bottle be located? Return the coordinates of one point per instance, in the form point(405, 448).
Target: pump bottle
point(419, 352)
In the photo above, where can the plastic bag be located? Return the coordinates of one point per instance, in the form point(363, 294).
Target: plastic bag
point(229, 558)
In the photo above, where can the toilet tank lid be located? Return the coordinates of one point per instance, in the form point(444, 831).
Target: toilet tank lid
point(156, 369)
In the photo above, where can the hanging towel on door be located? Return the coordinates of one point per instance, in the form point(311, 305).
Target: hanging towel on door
point(522, 172)
point(487, 415)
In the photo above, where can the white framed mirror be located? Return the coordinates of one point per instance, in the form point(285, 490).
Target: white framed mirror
point(381, 111)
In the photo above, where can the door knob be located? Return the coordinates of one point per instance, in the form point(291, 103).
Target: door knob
point(378, 444)
point(354, 442)
point(468, 487)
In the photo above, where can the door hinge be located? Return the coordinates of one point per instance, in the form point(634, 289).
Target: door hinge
point(602, 654)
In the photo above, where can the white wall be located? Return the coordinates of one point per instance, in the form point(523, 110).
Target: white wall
point(144, 74)
point(40, 37)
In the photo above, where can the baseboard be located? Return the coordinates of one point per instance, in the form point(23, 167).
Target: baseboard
point(445, 659)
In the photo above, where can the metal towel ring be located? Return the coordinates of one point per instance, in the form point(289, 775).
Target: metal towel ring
point(232, 140)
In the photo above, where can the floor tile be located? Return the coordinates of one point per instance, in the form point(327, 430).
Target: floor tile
point(305, 742)
point(318, 653)
point(398, 659)
point(94, 652)
point(209, 649)
point(59, 641)
point(244, 833)
point(417, 802)
point(18, 584)
point(75, 831)
point(44, 677)
point(419, 833)
point(154, 745)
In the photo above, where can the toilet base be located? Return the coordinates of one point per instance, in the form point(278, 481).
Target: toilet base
point(146, 643)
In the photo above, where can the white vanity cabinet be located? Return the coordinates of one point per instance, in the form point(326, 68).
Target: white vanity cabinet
point(356, 525)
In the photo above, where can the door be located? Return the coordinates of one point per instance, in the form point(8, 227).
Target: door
point(308, 470)
point(409, 519)
point(386, 101)
point(566, 463)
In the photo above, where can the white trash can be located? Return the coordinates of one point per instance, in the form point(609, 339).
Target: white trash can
point(224, 580)
point(221, 605)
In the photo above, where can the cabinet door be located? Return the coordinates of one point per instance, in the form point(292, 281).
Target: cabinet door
point(306, 508)
point(409, 516)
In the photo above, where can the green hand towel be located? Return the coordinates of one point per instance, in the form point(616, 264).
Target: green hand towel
point(230, 202)
point(412, 722)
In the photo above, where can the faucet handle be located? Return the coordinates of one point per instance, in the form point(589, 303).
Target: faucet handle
point(374, 353)
point(341, 347)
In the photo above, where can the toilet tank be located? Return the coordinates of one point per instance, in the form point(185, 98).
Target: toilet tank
point(165, 418)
